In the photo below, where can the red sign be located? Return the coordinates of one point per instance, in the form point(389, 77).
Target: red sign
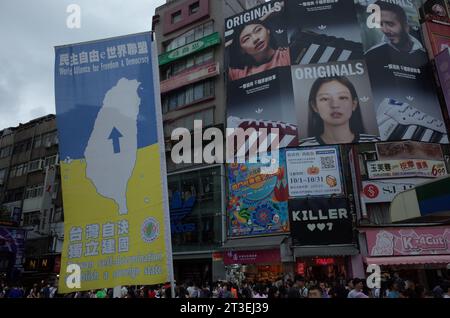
point(324, 261)
point(437, 37)
point(252, 257)
point(371, 191)
point(301, 268)
point(409, 241)
point(189, 77)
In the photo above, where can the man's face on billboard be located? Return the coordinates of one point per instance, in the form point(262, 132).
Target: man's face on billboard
point(392, 27)
point(254, 39)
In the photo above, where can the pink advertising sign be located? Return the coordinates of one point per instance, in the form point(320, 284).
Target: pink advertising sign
point(408, 241)
point(252, 257)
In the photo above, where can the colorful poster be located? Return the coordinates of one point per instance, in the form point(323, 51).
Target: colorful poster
point(314, 172)
point(409, 150)
point(405, 97)
point(258, 197)
point(389, 169)
point(409, 241)
point(117, 227)
point(320, 221)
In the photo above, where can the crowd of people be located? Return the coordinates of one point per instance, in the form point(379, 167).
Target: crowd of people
point(299, 287)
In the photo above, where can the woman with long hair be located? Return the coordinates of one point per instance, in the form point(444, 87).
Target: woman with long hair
point(335, 114)
point(254, 50)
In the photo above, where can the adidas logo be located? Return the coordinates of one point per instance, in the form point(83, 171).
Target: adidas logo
point(259, 110)
point(279, 31)
point(364, 99)
point(322, 27)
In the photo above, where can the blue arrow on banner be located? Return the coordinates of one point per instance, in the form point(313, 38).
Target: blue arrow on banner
point(114, 136)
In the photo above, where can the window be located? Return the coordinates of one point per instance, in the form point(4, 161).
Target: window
point(5, 151)
point(35, 165)
point(37, 141)
point(190, 36)
point(190, 62)
point(198, 193)
point(187, 95)
point(2, 176)
point(31, 218)
point(18, 170)
point(13, 195)
point(194, 8)
point(22, 146)
point(207, 116)
point(50, 161)
point(50, 139)
point(176, 17)
point(34, 191)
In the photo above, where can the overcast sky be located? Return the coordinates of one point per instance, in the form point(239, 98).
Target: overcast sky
point(29, 30)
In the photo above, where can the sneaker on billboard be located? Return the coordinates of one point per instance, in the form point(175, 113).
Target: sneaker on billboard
point(401, 121)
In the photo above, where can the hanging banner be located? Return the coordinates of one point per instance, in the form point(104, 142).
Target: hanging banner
point(313, 172)
point(389, 169)
point(319, 221)
point(117, 227)
point(258, 197)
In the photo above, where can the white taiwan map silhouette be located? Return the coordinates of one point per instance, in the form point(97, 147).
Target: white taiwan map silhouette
point(111, 150)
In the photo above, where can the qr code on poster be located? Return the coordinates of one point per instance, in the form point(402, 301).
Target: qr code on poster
point(328, 162)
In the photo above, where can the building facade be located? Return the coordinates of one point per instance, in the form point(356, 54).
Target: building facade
point(189, 35)
point(30, 200)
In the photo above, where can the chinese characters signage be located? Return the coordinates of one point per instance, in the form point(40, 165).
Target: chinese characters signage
point(405, 168)
point(313, 172)
point(117, 226)
point(190, 48)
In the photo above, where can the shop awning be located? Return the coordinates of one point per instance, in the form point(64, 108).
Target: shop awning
point(255, 243)
point(328, 250)
point(401, 260)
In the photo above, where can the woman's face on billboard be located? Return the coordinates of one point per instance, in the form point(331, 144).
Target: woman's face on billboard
point(334, 103)
point(254, 39)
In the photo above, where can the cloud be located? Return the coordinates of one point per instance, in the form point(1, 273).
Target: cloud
point(34, 28)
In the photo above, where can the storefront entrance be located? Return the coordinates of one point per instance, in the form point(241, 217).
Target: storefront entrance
point(323, 269)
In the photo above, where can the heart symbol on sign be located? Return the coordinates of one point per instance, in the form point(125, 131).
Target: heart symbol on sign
point(321, 226)
point(311, 227)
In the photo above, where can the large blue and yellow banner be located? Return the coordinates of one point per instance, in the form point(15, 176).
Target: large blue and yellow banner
point(116, 226)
